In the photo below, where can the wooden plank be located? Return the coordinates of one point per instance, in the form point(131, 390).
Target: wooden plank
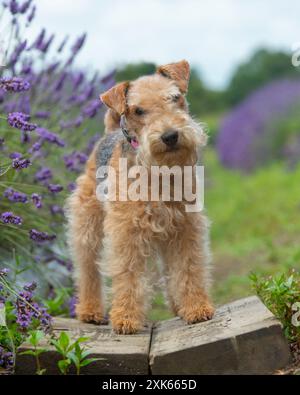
point(121, 354)
point(243, 338)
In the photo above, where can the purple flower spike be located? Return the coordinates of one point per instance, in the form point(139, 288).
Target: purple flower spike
point(51, 137)
point(62, 45)
point(40, 237)
point(14, 84)
point(43, 174)
point(15, 196)
point(37, 200)
point(4, 271)
point(72, 186)
point(55, 188)
point(42, 114)
point(31, 15)
point(13, 7)
point(15, 155)
point(9, 218)
point(20, 121)
point(20, 164)
point(24, 7)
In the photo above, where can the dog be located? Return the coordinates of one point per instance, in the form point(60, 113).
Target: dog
point(147, 123)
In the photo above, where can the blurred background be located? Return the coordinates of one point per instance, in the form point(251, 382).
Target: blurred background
point(245, 86)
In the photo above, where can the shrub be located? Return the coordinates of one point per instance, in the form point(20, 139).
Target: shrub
point(50, 118)
point(248, 135)
point(281, 294)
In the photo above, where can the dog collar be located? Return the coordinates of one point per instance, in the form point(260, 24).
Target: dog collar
point(131, 140)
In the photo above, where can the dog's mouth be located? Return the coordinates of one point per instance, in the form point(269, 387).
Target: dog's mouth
point(172, 149)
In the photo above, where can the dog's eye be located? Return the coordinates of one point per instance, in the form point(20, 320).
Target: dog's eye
point(175, 98)
point(139, 111)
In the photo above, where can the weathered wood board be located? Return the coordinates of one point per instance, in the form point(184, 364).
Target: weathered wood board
point(243, 338)
point(121, 354)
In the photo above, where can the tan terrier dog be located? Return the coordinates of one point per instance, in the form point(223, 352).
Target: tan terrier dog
point(153, 115)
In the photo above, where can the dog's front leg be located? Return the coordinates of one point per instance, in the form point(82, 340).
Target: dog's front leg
point(127, 268)
point(186, 260)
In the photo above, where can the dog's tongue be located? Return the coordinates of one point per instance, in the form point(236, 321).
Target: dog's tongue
point(134, 143)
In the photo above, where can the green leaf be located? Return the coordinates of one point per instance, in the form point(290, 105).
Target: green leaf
point(63, 365)
point(64, 340)
point(90, 360)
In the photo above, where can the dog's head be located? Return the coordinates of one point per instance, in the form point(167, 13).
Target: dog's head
point(156, 114)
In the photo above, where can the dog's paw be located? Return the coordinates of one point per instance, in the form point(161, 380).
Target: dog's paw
point(91, 316)
point(197, 313)
point(125, 325)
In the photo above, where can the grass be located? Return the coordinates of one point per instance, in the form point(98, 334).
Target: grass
point(255, 226)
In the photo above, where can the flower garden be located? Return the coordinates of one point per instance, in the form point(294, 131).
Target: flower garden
point(50, 118)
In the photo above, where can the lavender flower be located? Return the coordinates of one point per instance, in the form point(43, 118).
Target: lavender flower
point(17, 53)
point(75, 161)
point(31, 15)
point(15, 196)
point(24, 7)
point(43, 174)
point(13, 7)
point(4, 271)
point(40, 237)
point(60, 82)
point(46, 45)
point(55, 209)
point(72, 186)
point(37, 200)
point(6, 359)
point(72, 306)
point(51, 137)
point(9, 218)
point(40, 39)
point(20, 121)
point(35, 147)
point(62, 45)
point(20, 164)
point(30, 286)
point(243, 141)
point(15, 155)
point(55, 188)
point(91, 109)
point(14, 84)
point(42, 114)
point(73, 123)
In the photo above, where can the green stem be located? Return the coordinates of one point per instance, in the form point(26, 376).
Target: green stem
point(38, 365)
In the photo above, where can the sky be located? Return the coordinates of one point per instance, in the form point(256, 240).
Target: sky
point(213, 35)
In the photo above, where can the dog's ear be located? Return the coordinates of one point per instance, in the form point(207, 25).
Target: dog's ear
point(179, 72)
point(115, 97)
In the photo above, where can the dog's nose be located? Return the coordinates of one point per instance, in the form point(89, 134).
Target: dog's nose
point(170, 138)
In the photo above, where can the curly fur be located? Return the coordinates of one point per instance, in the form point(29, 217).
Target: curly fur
point(118, 238)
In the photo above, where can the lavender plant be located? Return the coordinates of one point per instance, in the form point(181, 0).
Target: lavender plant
point(50, 118)
point(20, 315)
point(248, 134)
